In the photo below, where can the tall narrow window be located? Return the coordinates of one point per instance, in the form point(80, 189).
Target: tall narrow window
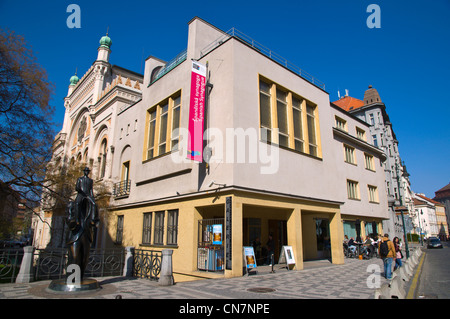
point(147, 228)
point(102, 157)
point(151, 134)
point(349, 154)
point(369, 163)
point(126, 171)
point(175, 122)
point(158, 238)
point(311, 129)
point(163, 129)
point(265, 112)
point(373, 193)
point(298, 128)
point(282, 119)
point(352, 189)
point(172, 227)
point(119, 230)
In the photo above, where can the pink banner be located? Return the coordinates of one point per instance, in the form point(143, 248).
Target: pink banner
point(196, 112)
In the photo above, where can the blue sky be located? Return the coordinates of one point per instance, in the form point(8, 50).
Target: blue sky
point(406, 60)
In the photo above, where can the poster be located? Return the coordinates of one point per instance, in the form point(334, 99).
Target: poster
point(217, 234)
point(250, 259)
point(196, 112)
point(286, 256)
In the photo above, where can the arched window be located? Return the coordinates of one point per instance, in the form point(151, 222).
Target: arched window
point(102, 157)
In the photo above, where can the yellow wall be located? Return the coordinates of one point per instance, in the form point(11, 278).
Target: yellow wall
point(297, 213)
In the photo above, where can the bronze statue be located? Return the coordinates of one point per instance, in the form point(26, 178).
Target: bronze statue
point(82, 220)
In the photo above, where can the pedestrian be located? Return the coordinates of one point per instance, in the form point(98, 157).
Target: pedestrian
point(270, 250)
point(398, 253)
point(387, 253)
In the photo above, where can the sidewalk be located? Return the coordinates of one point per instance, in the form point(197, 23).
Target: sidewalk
point(318, 280)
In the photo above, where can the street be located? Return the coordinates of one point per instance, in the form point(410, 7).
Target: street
point(434, 280)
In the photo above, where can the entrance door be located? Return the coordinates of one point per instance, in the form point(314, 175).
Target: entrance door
point(323, 238)
point(278, 230)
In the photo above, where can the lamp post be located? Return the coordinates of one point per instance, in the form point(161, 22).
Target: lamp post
point(420, 227)
point(401, 211)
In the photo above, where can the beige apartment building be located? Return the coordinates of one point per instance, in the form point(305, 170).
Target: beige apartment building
point(278, 159)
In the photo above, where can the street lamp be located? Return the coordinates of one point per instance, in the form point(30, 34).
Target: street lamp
point(420, 227)
point(401, 211)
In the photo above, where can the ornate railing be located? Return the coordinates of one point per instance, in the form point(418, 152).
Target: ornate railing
point(10, 261)
point(52, 263)
point(147, 264)
point(122, 188)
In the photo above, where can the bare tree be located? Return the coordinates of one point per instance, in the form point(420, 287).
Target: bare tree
point(26, 132)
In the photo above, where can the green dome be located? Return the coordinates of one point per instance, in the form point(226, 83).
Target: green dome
point(74, 79)
point(105, 41)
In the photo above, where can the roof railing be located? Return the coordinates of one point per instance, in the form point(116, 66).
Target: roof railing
point(233, 32)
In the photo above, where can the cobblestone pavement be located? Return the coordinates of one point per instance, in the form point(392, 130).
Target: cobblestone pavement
point(319, 280)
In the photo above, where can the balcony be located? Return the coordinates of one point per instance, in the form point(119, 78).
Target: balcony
point(122, 189)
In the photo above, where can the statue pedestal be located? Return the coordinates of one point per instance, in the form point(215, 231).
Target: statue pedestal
point(61, 285)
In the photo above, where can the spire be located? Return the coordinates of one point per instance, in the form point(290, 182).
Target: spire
point(371, 96)
point(105, 48)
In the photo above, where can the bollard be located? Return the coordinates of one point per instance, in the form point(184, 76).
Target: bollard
point(128, 265)
point(26, 267)
point(166, 275)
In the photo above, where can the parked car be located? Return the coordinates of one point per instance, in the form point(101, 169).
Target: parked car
point(434, 242)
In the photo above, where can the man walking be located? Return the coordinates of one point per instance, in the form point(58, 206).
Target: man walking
point(386, 251)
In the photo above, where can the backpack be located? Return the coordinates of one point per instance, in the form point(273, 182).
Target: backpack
point(384, 248)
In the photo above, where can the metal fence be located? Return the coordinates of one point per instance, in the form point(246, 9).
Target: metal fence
point(10, 260)
point(52, 263)
point(147, 264)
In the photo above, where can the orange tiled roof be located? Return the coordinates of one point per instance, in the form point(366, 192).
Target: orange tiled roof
point(349, 103)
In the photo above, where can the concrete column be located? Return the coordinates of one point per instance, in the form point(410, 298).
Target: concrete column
point(128, 265)
point(26, 268)
point(337, 238)
point(236, 235)
point(166, 274)
point(294, 236)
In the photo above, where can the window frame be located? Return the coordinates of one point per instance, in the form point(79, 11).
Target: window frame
point(373, 194)
point(309, 141)
point(353, 190)
point(154, 146)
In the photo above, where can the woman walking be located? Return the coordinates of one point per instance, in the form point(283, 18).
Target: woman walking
point(398, 253)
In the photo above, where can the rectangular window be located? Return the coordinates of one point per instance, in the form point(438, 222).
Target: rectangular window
point(373, 194)
point(311, 129)
point(172, 227)
point(158, 238)
point(119, 230)
point(349, 154)
point(361, 134)
point(147, 228)
point(341, 123)
point(296, 119)
point(369, 163)
point(352, 189)
point(176, 122)
point(163, 128)
point(282, 119)
point(265, 110)
point(163, 119)
point(151, 134)
point(298, 127)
